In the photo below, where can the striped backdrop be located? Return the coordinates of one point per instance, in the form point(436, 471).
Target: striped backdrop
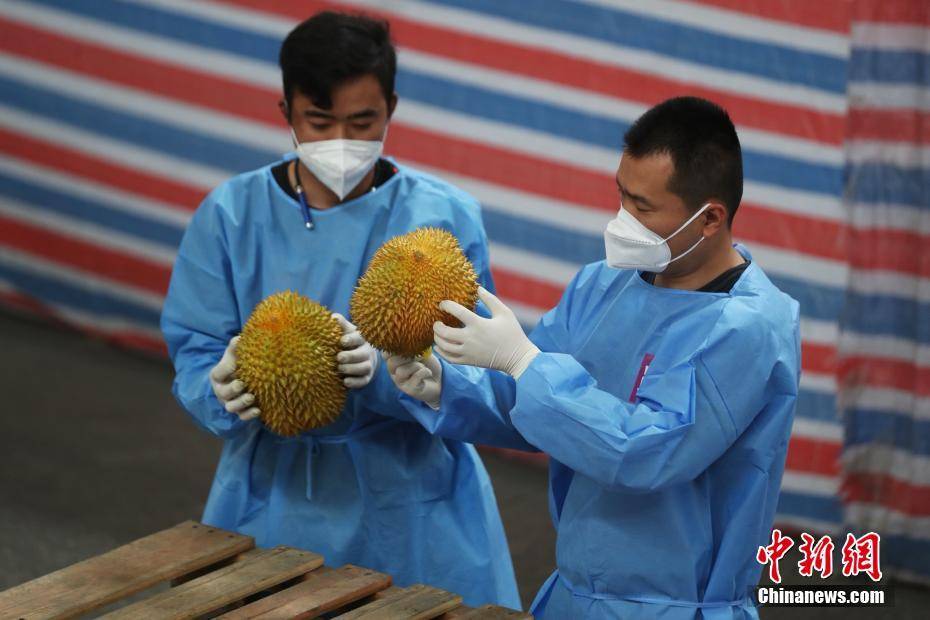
point(116, 118)
point(884, 342)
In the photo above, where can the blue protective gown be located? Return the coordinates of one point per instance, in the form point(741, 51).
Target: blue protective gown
point(374, 488)
point(660, 494)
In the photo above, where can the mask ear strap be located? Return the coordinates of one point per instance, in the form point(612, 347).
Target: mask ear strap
point(688, 221)
point(686, 252)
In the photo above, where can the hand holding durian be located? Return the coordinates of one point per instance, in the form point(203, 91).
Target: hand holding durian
point(229, 390)
point(419, 378)
point(358, 360)
point(498, 343)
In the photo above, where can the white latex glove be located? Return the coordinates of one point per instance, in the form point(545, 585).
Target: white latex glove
point(498, 342)
point(229, 390)
point(358, 360)
point(417, 377)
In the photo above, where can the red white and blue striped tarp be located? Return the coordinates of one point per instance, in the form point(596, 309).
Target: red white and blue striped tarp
point(884, 342)
point(116, 118)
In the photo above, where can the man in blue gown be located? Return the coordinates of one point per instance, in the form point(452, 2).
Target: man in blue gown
point(662, 386)
point(374, 488)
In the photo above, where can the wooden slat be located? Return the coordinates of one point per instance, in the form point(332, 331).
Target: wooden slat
point(486, 612)
point(134, 567)
point(322, 591)
point(212, 592)
point(417, 602)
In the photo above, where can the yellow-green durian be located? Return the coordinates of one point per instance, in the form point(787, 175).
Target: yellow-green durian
point(397, 300)
point(286, 357)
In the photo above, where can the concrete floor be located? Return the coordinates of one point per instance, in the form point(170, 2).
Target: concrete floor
point(96, 453)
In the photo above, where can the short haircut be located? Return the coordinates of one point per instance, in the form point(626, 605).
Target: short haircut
point(330, 48)
point(701, 140)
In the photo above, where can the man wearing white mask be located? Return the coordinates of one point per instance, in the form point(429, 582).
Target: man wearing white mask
point(373, 488)
point(662, 386)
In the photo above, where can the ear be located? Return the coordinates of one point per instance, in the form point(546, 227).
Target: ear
point(392, 105)
point(716, 218)
point(282, 105)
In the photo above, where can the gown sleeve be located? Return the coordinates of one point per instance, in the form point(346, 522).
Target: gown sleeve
point(199, 318)
point(683, 420)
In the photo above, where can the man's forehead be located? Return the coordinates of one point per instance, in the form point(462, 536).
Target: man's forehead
point(651, 170)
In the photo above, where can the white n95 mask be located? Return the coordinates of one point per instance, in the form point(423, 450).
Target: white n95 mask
point(340, 164)
point(631, 245)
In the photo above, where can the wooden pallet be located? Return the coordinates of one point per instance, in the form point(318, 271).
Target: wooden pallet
point(218, 574)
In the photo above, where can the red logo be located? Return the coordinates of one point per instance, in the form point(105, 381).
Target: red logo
point(817, 557)
point(773, 553)
point(860, 555)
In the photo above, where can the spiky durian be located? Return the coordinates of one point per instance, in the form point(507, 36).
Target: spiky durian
point(287, 358)
point(397, 300)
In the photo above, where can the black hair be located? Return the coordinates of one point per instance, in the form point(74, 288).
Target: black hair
point(332, 47)
point(702, 142)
